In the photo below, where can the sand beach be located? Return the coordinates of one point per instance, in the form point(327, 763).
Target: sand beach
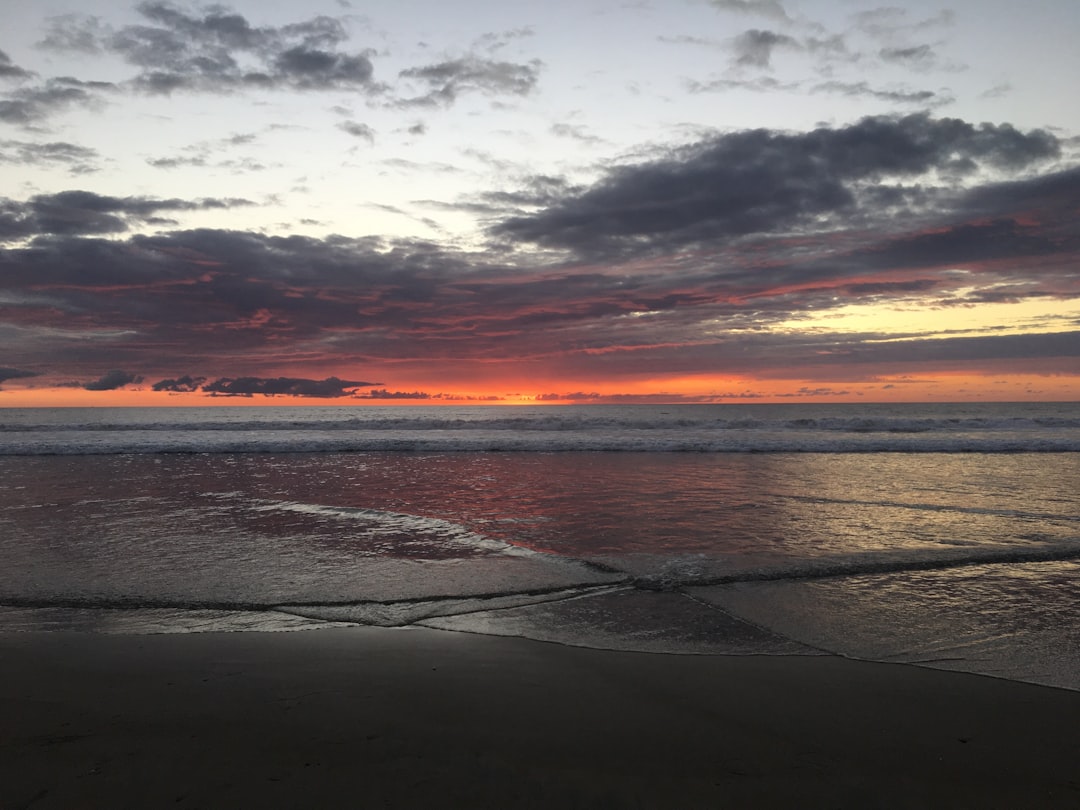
point(375, 717)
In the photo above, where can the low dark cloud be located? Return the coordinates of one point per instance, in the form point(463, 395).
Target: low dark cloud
point(446, 81)
point(112, 380)
point(184, 384)
point(761, 181)
point(329, 388)
point(77, 159)
point(84, 212)
point(9, 70)
point(8, 373)
point(382, 393)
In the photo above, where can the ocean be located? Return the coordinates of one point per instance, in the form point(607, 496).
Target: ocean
point(943, 535)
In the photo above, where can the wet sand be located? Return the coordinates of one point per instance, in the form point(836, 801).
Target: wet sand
point(369, 717)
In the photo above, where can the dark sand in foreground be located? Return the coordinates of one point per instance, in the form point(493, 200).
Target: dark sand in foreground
point(370, 717)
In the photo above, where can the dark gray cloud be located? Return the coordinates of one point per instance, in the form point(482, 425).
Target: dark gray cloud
point(77, 159)
point(8, 373)
point(916, 55)
point(446, 81)
point(700, 252)
point(112, 380)
point(535, 191)
point(211, 300)
point(925, 99)
point(754, 48)
point(30, 106)
point(218, 50)
point(358, 130)
point(922, 99)
point(761, 181)
point(213, 154)
point(184, 384)
point(84, 212)
point(205, 161)
point(382, 393)
point(9, 70)
point(329, 388)
point(758, 84)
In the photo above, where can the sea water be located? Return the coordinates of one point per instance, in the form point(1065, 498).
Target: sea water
point(942, 535)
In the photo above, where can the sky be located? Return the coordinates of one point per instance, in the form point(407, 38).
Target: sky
point(339, 202)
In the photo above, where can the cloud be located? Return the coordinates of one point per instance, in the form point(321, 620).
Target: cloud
point(382, 393)
point(697, 260)
point(916, 55)
point(446, 81)
point(758, 84)
point(203, 161)
point(84, 212)
point(923, 98)
point(29, 106)
point(214, 49)
point(329, 388)
point(77, 159)
point(754, 48)
point(76, 33)
point(185, 384)
point(9, 70)
point(577, 133)
point(308, 68)
point(217, 50)
point(358, 130)
point(8, 373)
point(765, 8)
point(112, 380)
point(893, 23)
point(761, 181)
point(211, 154)
point(497, 40)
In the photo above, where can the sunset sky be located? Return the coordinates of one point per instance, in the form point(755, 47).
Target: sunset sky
point(671, 200)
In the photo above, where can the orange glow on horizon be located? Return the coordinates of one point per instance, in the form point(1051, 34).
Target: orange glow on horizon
point(937, 387)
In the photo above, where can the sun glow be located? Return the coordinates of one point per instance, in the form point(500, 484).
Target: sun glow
point(948, 317)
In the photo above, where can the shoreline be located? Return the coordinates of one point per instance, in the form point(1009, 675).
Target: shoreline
point(364, 716)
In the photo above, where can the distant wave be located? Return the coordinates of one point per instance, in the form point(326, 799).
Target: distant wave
point(664, 441)
point(649, 429)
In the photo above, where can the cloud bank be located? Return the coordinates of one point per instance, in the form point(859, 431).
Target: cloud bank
point(708, 255)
